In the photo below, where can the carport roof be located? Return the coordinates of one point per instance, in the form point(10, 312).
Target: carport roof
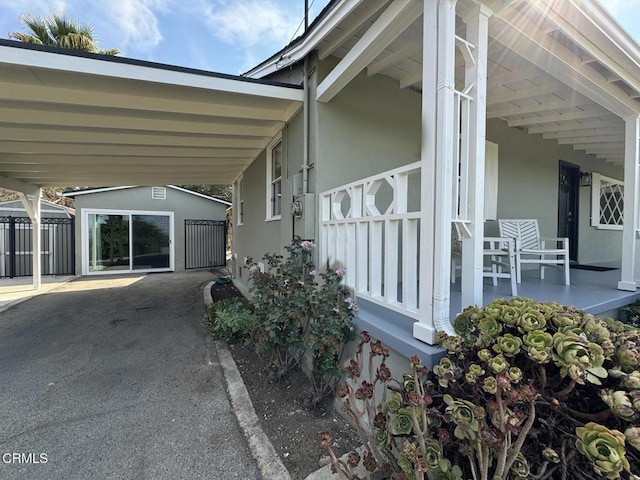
point(72, 118)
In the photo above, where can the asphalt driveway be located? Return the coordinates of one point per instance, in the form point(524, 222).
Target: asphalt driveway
point(113, 378)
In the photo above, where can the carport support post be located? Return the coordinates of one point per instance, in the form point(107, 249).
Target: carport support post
point(630, 224)
point(31, 204)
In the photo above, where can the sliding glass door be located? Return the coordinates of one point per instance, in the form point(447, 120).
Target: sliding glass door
point(151, 242)
point(119, 241)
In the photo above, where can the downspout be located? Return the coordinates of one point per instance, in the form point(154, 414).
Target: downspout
point(305, 126)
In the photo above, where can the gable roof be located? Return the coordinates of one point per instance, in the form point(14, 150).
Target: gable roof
point(561, 68)
point(90, 191)
point(72, 118)
point(45, 205)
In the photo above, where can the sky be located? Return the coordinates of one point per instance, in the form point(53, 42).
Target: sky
point(226, 36)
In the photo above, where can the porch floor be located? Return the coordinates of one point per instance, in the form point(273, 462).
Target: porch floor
point(593, 291)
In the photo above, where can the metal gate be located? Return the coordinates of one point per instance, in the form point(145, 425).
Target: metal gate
point(205, 243)
point(16, 246)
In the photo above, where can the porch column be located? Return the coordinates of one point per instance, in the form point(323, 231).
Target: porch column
point(424, 329)
point(475, 76)
point(31, 204)
point(438, 141)
point(631, 184)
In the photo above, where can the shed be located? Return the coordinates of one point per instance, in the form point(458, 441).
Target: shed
point(16, 239)
point(148, 228)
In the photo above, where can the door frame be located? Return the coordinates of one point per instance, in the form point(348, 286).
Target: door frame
point(85, 212)
point(575, 193)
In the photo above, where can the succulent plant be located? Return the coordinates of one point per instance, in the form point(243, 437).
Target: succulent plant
point(604, 448)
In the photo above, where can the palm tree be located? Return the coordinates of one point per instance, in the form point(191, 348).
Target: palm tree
point(59, 31)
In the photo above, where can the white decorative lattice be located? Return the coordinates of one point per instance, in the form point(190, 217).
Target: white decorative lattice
point(607, 202)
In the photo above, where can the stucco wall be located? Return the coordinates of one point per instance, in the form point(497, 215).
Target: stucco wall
point(528, 188)
point(183, 205)
point(371, 126)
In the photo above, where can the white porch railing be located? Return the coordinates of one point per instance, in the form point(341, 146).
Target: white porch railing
point(371, 228)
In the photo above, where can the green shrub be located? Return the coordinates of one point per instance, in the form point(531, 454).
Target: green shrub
point(230, 319)
point(526, 390)
point(298, 311)
point(632, 314)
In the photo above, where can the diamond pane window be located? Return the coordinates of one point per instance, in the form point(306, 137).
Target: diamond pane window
point(607, 202)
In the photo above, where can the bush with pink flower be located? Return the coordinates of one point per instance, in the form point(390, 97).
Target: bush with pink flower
point(298, 312)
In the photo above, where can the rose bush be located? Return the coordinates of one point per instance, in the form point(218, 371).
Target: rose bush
point(526, 390)
point(299, 311)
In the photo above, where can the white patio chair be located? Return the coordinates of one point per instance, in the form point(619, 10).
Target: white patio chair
point(531, 248)
point(501, 259)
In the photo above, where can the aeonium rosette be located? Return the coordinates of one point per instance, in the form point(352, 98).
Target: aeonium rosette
point(531, 319)
point(578, 358)
point(604, 448)
point(461, 412)
point(508, 345)
point(537, 344)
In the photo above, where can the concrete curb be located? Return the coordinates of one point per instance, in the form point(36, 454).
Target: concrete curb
point(269, 463)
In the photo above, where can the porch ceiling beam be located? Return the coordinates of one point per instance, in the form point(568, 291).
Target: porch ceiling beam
point(49, 96)
point(24, 117)
point(81, 136)
point(74, 149)
point(78, 170)
point(557, 117)
point(613, 157)
point(594, 139)
point(539, 107)
point(207, 177)
point(18, 186)
point(389, 25)
point(603, 149)
point(560, 62)
point(405, 51)
point(92, 160)
point(603, 121)
point(410, 79)
point(548, 10)
point(586, 132)
point(371, 7)
point(32, 163)
point(540, 90)
point(512, 76)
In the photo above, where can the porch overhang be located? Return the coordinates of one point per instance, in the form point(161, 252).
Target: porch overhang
point(71, 118)
point(562, 69)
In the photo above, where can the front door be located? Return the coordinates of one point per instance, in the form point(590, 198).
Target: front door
point(568, 195)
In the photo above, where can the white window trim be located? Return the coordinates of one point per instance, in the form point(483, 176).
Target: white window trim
point(240, 200)
point(596, 181)
point(270, 147)
point(84, 238)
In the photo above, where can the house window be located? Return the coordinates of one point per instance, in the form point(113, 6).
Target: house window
point(158, 193)
point(274, 180)
point(240, 200)
point(607, 202)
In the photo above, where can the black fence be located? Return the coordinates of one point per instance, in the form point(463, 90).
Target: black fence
point(205, 243)
point(16, 246)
